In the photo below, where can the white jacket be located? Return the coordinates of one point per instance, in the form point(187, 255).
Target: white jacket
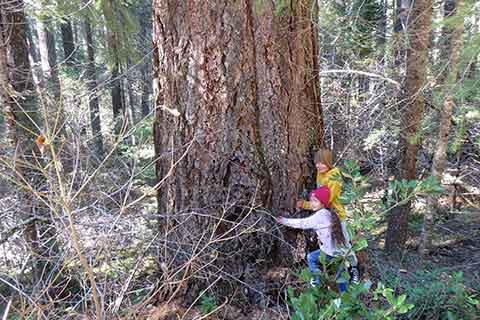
point(321, 222)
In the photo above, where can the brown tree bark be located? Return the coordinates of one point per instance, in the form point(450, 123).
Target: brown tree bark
point(440, 154)
point(412, 109)
point(237, 103)
point(93, 103)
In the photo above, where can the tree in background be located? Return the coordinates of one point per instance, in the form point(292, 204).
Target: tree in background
point(453, 45)
point(93, 96)
point(120, 28)
point(412, 105)
point(68, 42)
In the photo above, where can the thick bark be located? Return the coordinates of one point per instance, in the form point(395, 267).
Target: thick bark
point(68, 43)
point(412, 110)
point(93, 102)
point(237, 103)
point(440, 155)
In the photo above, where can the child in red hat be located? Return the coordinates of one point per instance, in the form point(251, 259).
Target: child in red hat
point(332, 236)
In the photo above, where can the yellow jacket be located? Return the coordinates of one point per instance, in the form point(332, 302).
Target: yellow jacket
point(333, 180)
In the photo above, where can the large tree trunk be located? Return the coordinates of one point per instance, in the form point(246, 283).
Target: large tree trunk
point(93, 102)
point(237, 105)
point(412, 111)
point(440, 154)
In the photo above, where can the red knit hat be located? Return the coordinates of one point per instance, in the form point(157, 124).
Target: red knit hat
point(322, 194)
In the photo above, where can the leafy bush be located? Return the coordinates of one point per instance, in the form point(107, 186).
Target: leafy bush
point(323, 302)
point(448, 298)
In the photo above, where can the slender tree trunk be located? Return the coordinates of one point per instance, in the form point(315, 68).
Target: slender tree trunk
point(93, 102)
point(449, 9)
point(68, 43)
point(440, 154)
point(116, 92)
point(48, 56)
point(412, 110)
point(400, 29)
point(146, 89)
point(31, 35)
point(132, 100)
point(146, 69)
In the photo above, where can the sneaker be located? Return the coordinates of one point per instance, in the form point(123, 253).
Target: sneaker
point(313, 283)
point(354, 276)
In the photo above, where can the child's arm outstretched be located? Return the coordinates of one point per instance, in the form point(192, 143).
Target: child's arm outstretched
point(317, 221)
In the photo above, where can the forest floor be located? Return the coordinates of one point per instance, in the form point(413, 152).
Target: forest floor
point(121, 244)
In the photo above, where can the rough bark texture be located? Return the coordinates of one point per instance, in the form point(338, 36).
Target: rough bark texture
point(247, 97)
point(237, 105)
point(412, 110)
point(93, 102)
point(440, 154)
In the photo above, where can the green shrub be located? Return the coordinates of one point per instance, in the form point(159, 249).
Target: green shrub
point(448, 298)
point(207, 304)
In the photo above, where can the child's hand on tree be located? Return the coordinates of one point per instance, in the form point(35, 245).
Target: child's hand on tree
point(279, 219)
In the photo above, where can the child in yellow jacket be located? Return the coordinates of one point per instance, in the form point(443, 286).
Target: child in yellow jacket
point(329, 176)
